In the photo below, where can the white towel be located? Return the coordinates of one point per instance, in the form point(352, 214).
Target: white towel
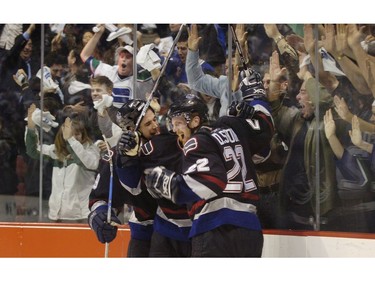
point(147, 58)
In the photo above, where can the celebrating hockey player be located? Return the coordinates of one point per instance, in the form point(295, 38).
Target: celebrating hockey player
point(218, 181)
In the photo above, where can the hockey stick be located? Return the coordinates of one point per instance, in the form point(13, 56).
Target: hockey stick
point(247, 70)
point(162, 70)
point(108, 158)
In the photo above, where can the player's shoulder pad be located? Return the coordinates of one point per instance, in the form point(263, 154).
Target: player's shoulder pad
point(261, 106)
point(190, 145)
point(147, 148)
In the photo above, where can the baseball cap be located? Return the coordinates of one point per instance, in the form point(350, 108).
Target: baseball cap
point(127, 48)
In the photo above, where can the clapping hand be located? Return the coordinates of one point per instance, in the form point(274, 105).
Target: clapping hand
point(67, 129)
point(342, 108)
point(30, 121)
point(355, 133)
point(329, 124)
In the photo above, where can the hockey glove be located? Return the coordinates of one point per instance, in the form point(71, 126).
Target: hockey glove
point(160, 182)
point(98, 222)
point(241, 109)
point(252, 86)
point(129, 143)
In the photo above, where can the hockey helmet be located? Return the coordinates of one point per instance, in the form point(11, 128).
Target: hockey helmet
point(188, 106)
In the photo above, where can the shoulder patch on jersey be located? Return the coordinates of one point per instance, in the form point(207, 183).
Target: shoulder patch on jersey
point(147, 148)
point(190, 145)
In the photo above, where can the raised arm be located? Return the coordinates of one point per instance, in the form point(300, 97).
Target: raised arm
point(343, 111)
point(356, 136)
point(197, 80)
point(288, 54)
point(242, 39)
point(328, 80)
point(330, 131)
point(336, 45)
point(89, 48)
point(276, 72)
point(366, 63)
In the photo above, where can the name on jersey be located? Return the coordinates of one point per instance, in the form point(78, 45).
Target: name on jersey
point(225, 136)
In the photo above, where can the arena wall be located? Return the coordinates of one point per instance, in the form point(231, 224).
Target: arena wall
point(76, 240)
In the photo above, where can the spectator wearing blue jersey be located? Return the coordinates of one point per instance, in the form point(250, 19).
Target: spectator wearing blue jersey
point(121, 74)
point(175, 70)
point(345, 157)
point(355, 173)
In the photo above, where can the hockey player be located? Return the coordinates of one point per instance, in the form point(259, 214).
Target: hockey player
point(218, 181)
point(172, 222)
point(144, 206)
